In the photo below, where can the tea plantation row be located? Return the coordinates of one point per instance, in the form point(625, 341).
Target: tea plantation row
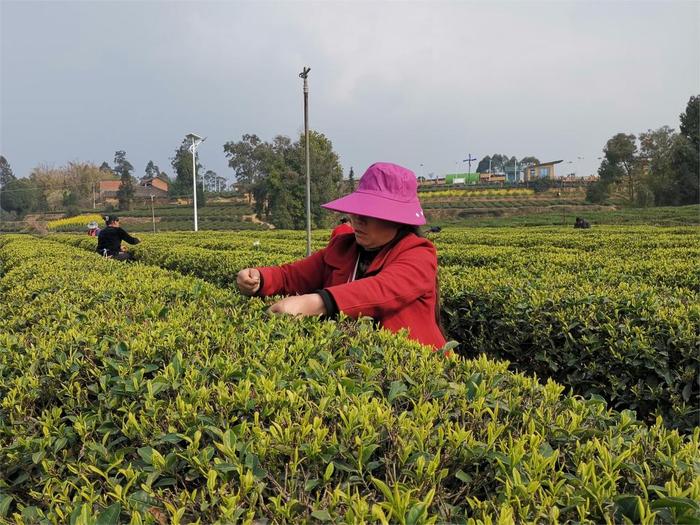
point(614, 312)
point(132, 394)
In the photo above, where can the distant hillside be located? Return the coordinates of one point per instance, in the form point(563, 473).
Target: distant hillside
point(456, 204)
point(232, 214)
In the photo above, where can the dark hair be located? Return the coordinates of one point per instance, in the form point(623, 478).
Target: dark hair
point(343, 220)
point(109, 219)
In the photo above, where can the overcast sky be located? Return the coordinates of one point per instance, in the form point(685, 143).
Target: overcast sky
point(406, 82)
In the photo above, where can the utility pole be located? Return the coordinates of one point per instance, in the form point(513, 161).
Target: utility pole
point(93, 196)
point(153, 215)
point(563, 208)
point(469, 159)
point(305, 74)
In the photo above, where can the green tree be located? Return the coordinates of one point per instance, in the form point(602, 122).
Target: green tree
point(598, 192)
point(483, 166)
point(6, 174)
point(152, 171)
point(690, 121)
point(19, 196)
point(658, 183)
point(182, 165)
point(622, 165)
point(499, 163)
point(105, 167)
point(275, 174)
point(351, 179)
point(249, 159)
point(326, 173)
point(685, 154)
point(210, 181)
point(529, 161)
point(123, 168)
point(70, 203)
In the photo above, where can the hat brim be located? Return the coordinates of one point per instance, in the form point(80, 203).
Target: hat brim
point(372, 205)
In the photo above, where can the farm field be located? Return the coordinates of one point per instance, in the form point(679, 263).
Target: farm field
point(562, 214)
point(214, 216)
point(153, 393)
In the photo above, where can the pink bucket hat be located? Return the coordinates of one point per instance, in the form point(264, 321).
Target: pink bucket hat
point(386, 191)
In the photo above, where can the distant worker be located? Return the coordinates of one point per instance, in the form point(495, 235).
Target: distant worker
point(93, 229)
point(344, 226)
point(109, 240)
point(386, 270)
point(581, 223)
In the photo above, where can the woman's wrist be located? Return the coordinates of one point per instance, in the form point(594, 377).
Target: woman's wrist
point(316, 304)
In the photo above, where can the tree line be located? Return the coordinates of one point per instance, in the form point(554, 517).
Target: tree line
point(272, 174)
point(658, 167)
point(497, 163)
point(75, 186)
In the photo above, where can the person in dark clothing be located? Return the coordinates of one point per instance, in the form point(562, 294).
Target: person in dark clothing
point(109, 240)
point(581, 223)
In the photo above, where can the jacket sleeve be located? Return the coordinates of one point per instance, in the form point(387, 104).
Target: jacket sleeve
point(128, 238)
point(410, 276)
point(300, 277)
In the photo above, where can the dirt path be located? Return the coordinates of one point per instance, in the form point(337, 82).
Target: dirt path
point(35, 223)
point(254, 219)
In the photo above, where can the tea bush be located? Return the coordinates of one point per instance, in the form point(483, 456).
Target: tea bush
point(612, 312)
point(131, 394)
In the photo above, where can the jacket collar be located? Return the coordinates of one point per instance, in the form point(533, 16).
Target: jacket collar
point(344, 252)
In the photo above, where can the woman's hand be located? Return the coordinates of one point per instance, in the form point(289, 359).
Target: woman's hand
point(309, 304)
point(248, 281)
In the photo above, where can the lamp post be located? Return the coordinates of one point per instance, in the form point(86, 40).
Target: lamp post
point(196, 141)
point(563, 207)
point(304, 75)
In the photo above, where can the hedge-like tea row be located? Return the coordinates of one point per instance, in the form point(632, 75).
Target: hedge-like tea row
point(132, 394)
point(77, 223)
point(613, 312)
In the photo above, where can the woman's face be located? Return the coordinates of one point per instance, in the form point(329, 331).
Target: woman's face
point(373, 233)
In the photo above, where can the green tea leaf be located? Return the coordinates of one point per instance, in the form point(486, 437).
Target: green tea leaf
point(110, 516)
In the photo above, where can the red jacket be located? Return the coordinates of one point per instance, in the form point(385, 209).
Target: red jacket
point(345, 227)
point(398, 289)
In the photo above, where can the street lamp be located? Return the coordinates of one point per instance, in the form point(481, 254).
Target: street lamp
point(196, 141)
point(304, 75)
